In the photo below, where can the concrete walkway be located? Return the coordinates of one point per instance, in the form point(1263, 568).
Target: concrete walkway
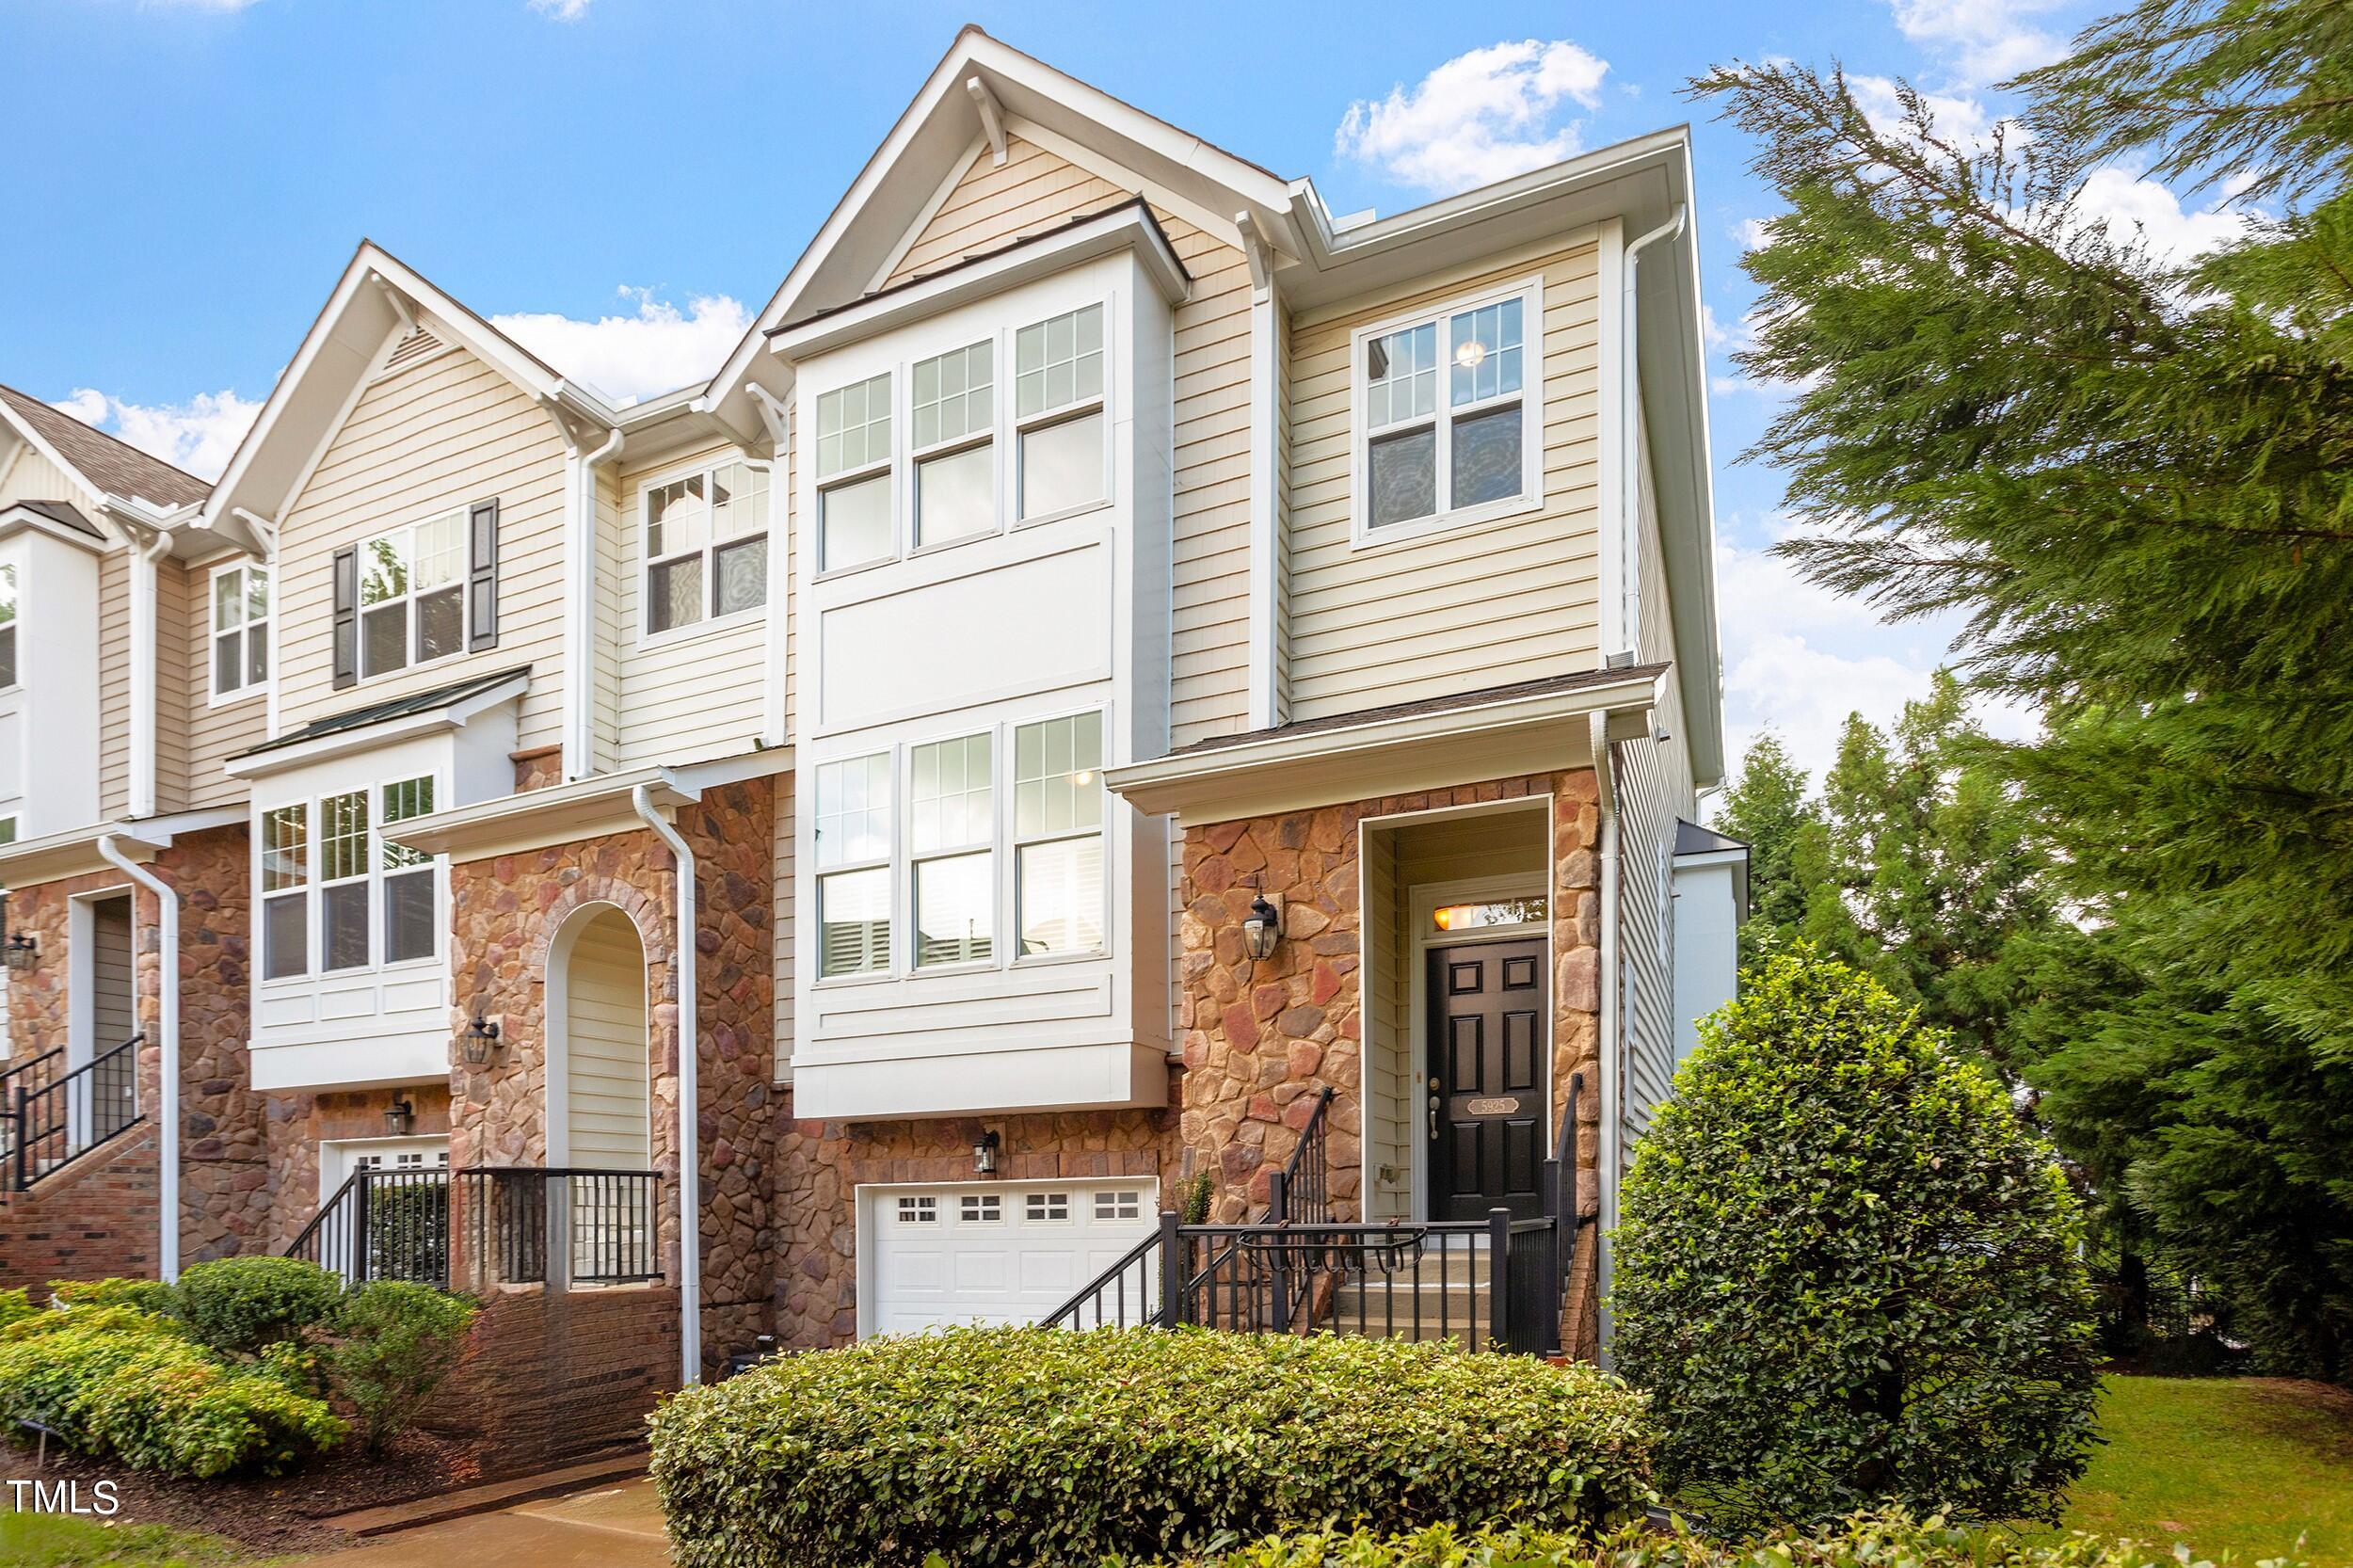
point(617, 1525)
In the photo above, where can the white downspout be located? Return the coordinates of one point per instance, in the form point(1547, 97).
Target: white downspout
point(143, 671)
point(580, 582)
point(1629, 583)
point(167, 1032)
point(1607, 1046)
point(690, 1204)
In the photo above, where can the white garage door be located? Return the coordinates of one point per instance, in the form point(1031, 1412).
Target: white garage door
point(993, 1252)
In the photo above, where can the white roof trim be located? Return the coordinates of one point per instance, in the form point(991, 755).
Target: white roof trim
point(564, 813)
point(368, 737)
point(55, 856)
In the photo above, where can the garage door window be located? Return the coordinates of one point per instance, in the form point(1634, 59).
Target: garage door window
point(1118, 1206)
point(918, 1212)
point(982, 1209)
point(1048, 1206)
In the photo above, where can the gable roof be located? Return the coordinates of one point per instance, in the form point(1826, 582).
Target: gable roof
point(108, 464)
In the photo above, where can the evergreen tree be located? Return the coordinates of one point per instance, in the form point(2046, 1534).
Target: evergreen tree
point(2133, 479)
point(1766, 808)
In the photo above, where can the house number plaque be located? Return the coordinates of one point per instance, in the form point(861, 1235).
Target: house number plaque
point(1500, 1107)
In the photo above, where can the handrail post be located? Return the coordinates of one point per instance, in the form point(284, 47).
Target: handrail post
point(361, 1226)
point(1172, 1269)
point(1499, 1277)
point(1278, 1198)
point(24, 1120)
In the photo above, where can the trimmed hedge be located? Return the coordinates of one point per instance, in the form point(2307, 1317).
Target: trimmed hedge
point(242, 1304)
point(1890, 1540)
point(1020, 1446)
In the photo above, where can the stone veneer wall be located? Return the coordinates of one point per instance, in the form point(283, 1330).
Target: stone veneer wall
point(507, 911)
point(1259, 1037)
point(225, 1202)
point(298, 1123)
point(820, 1165)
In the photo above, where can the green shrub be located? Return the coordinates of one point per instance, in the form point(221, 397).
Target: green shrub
point(1890, 1540)
point(394, 1343)
point(1022, 1445)
point(15, 1304)
point(240, 1304)
point(1848, 1272)
point(120, 1383)
point(145, 1295)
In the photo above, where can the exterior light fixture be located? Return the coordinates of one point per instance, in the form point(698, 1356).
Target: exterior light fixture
point(474, 1045)
point(22, 951)
point(985, 1152)
point(399, 1117)
point(1262, 928)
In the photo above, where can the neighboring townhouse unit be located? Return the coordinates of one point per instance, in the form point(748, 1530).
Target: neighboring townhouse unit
point(1121, 685)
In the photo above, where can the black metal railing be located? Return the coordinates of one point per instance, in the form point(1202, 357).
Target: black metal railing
point(1563, 1194)
point(477, 1229)
point(54, 1117)
point(1301, 1190)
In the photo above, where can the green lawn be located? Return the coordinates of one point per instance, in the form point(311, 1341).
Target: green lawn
point(58, 1541)
point(2236, 1466)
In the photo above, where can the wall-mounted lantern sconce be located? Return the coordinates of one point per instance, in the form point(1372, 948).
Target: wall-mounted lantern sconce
point(399, 1117)
point(22, 951)
point(1262, 928)
point(985, 1152)
point(474, 1045)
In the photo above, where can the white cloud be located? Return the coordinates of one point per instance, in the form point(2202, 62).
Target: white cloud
point(1959, 120)
point(1481, 116)
point(1981, 42)
point(2133, 208)
point(200, 435)
point(1752, 234)
point(561, 10)
point(659, 348)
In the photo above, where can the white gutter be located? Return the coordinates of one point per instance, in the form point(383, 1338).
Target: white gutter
point(690, 1240)
point(1607, 1046)
point(580, 579)
point(143, 668)
point(1629, 583)
point(167, 1040)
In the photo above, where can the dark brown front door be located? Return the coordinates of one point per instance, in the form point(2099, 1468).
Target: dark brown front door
point(1484, 1096)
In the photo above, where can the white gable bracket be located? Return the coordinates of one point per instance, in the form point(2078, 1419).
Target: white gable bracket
point(992, 117)
point(401, 305)
point(1258, 251)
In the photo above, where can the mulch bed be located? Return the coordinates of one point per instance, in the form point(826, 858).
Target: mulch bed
point(275, 1515)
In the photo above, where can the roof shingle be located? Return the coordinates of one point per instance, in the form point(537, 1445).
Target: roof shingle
point(108, 462)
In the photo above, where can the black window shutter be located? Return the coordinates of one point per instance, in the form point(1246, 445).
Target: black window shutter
point(346, 617)
point(482, 580)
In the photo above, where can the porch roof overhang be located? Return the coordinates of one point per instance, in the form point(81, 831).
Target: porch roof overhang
point(1497, 732)
point(55, 856)
point(433, 712)
point(584, 808)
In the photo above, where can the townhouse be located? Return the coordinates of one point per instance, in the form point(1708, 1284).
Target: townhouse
point(1123, 683)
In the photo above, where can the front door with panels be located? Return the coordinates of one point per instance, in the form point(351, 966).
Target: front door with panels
point(1484, 1110)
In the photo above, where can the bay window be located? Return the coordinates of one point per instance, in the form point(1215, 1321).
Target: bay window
point(1058, 413)
point(952, 823)
point(706, 546)
point(952, 417)
point(8, 624)
point(854, 866)
point(853, 516)
point(344, 892)
point(412, 595)
point(1442, 414)
point(240, 628)
point(1058, 834)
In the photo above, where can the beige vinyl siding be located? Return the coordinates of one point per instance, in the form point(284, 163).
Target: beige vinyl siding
point(606, 626)
point(781, 891)
point(1210, 566)
point(114, 684)
point(114, 1017)
point(174, 588)
point(431, 439)
point(607, 1081)
point(216, 731)
point(691, 695)
point(34, 477)
point(1033, 191)
point(1478, 606)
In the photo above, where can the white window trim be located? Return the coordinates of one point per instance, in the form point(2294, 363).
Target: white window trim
point(215, 697)
point(12, 821)
point(771, 526)
point(917, 455)
point(1002, 843)
point(406, 599)
point(314, 885)
point(1004, 436)
point(1362, 534)
point(884, 862)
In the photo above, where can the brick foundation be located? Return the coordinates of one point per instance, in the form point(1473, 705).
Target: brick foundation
point(93, 1220)
point(550, 1378)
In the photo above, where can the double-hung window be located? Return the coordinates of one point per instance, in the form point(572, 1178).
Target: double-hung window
point(854, 866)
point(376, 902)
point(1443, 413)
point(952, 419)
point(240, 628)
point(412, 595)
point(285, 891)
point(951, 821)
point(8, 624)
point(1058, 834)
point(410, 922)
point(706, 539)
point(1058, 413)
point(854, 513)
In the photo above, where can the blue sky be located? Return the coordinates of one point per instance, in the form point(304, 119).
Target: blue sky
point(620, 181)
